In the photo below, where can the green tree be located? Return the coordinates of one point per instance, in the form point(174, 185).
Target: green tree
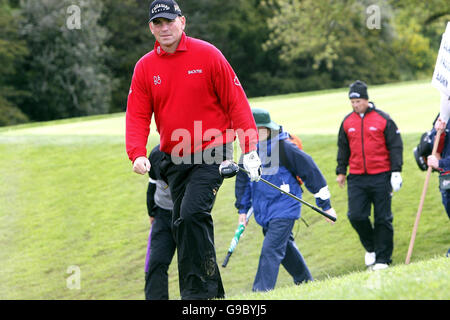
point(66, 73)
point(238, 28)
point(419, 26)
point(130, 38)
point(12, 51)
point(333, 41)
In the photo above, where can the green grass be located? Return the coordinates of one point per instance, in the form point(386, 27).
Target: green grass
point(429, 280)
point(68, 197)
point(412, 105)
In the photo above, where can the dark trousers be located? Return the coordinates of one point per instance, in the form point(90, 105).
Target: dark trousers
point(193, 188)
point(279, 248)
point(160, 250)
point(446, 201)
point(363, 191)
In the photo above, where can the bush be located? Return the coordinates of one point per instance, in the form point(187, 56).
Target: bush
point(10, 115)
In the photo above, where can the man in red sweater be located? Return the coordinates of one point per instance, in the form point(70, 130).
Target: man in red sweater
point(370, 144)
point(199, 107)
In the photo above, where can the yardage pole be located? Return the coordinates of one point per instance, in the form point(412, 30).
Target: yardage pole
point(422, 199)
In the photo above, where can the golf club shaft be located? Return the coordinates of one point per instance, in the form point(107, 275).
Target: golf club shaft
point(296, 198)
point(422, 199)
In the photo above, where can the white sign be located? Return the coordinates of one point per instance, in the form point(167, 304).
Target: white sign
point(441, 75)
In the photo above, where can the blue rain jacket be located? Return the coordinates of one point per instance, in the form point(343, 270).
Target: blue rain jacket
point(281, 161)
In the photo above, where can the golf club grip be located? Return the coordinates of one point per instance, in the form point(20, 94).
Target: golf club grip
point(296, 198)
point(324, 213)
point(225, 262)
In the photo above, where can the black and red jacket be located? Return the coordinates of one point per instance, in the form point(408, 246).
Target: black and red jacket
point(369, 145)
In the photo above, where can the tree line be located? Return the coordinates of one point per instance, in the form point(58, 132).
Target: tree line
point(70, 58)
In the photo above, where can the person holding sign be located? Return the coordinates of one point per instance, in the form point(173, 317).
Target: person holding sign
point(441, 81)
point(441, 163)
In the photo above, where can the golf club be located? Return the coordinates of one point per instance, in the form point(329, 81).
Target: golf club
point(240, 229)
point(229, 169)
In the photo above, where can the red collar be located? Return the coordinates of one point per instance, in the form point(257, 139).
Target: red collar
point(182, 46)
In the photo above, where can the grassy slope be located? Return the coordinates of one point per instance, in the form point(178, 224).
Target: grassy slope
point(424, 280)
point(68, 197)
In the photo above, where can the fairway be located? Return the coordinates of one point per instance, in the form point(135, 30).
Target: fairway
point(68, 197)
point(413, 107)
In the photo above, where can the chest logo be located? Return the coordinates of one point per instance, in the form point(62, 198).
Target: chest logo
point(195, 71)
point(156, 80)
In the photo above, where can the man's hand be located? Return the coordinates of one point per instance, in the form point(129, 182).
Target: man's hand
point(332, 213)
point(433, 162)
point(396, 181)
point(141, 165)
point(440, 124)
point(341, 180)
point(243, 219)
point(252, 164)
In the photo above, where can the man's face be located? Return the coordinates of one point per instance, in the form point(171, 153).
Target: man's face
point(168, 32)
point(359, 105)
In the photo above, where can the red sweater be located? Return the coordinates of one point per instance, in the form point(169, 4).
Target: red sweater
point(195, 96)
point(369, 145)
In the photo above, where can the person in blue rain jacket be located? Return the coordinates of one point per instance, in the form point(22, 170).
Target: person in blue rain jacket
point(441, 163)
point(283, 163)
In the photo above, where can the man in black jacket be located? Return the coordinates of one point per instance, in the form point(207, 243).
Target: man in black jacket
point(161, 243)
point(370, 144)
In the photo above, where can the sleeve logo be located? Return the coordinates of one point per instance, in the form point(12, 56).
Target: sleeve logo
point(236, 81)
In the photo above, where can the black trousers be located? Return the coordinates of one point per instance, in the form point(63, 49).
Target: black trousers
point(363, 191)
point(160, 251)
point(193, 188)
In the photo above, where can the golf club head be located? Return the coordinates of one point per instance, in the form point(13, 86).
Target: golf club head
point(228, 169)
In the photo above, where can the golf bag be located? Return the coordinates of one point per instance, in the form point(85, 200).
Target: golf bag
point(298, 142)
point(423, 150)
point(425, 147)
